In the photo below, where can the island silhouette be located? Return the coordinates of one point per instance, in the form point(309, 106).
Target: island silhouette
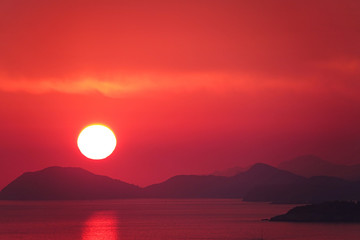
point(336, 211)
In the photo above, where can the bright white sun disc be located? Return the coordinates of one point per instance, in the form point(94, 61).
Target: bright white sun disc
point(96, 142)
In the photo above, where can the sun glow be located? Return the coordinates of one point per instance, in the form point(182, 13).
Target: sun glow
point(96, 142)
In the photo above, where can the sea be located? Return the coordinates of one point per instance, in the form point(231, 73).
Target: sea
point(157, 219)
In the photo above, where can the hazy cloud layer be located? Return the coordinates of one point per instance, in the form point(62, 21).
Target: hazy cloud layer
point(109, 41)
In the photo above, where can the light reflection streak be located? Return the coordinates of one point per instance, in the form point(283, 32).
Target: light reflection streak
point(102, 225)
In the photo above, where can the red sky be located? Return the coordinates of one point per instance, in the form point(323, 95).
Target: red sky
point(187, 86)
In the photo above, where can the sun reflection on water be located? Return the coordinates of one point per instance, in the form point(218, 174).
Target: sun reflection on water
point(101, 225)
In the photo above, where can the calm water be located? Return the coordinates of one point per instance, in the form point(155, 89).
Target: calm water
point(158, 219)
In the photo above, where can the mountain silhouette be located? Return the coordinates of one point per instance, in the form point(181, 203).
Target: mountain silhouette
point(66, 183)
point(261, 182)
point(229, 172)
point(310, 165)
point(192, 186)
point(259, 174)
point(312, 190)
point(188, 186)
point(59, 183)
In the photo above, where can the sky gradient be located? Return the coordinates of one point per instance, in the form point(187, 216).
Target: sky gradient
point(187, 87)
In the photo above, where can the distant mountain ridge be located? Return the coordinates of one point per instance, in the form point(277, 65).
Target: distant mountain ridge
point(325, 181)
point(312, 190)
point(261, 182)
point(59, 183)
point(229, 172)
point(310, 166)
point(306, 166)
point(190, 186)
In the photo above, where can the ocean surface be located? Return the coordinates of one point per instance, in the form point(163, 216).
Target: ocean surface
point(157, 219)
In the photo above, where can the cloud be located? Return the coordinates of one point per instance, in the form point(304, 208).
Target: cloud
point(119, 48)
point(53, 40)
point(345, 66)
point(125, 84)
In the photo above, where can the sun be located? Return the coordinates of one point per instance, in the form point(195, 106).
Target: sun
point(96, 141)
